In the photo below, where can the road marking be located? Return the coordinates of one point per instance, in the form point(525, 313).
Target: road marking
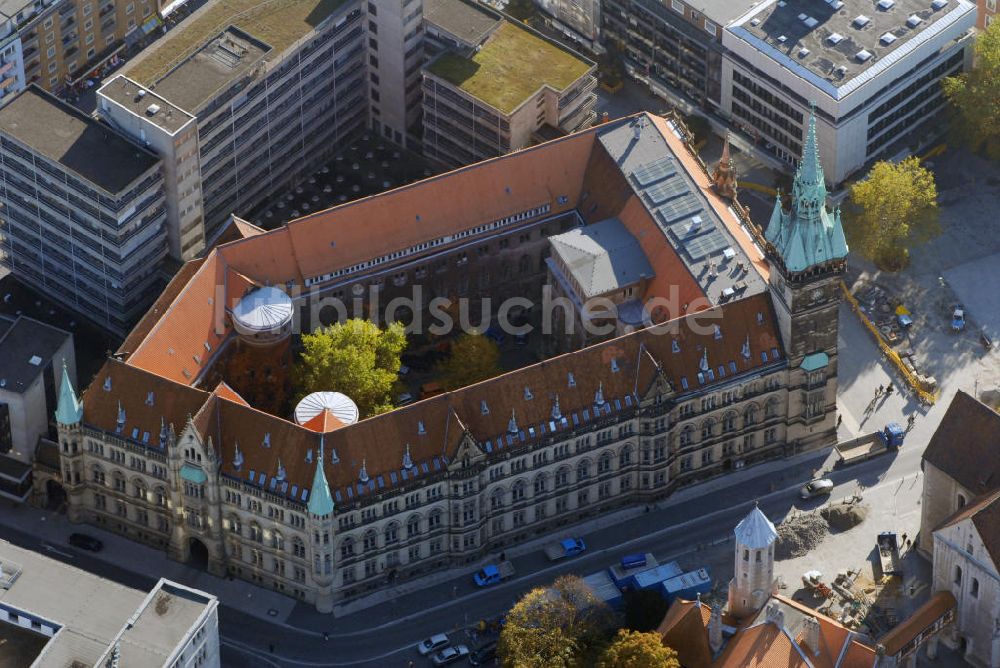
point(264, 656)
point(55, 550)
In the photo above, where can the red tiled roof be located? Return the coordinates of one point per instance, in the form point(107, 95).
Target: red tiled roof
point(684, 629)
point(939, 604)
point(323, 422)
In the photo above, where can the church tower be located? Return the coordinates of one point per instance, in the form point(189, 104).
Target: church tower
point(724, 174)
point(69, 415)
point(321, 508)
point(753, 579)
point(808, 252)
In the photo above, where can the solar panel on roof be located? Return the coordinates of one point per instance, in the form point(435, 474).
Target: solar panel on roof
point(381, 482)
point(295, 490)
point(659, 193)
point(705, 245)
point(393, 477)
point(251, 475)
point(657, 170)
point(274, 483)
point(682, 207)
point(262, 478)
point(350, 493)
point(305, 494)
point(337, 495)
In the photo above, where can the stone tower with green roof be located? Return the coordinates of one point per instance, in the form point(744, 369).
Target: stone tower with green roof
point(808, 253)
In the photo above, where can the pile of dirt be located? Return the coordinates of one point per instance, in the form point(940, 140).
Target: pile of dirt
point(844, 516)
point(799, 534)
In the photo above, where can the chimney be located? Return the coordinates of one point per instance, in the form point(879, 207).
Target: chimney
point(715, 629)
point(810, 634)
point(775, 615)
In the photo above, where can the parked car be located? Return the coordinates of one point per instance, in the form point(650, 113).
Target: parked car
point(483, 655)
point(433, 643)
point(817, 488)
point(450, 655)
point(85, 542)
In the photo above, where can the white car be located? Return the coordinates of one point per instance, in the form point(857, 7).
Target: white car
point(433, 643)
point(817, 488)
point(450, 655)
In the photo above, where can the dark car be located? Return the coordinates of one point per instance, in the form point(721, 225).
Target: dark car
point(484, 655)
point(85, 542)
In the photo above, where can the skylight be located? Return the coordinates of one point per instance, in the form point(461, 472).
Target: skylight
point(860, 21)
point(835, 38)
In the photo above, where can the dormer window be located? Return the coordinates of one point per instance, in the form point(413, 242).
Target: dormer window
point(484, 407)
point(572, 380)
point(760, 318)
point(107, 384)
point(614, 365)
point(674, 346)
point(149, 398)
point(528, 396)
point(718, 333)
point(267, 440)
point(420, 427)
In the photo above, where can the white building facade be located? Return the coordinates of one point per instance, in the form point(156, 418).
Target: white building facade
point(873, 74)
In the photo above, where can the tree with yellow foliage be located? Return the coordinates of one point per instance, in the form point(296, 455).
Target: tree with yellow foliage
point(635, 649)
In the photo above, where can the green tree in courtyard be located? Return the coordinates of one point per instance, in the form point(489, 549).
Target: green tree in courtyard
point(634, 649)
point(473, 357)
point(563, 625)
point(975, 95)
point(893, 207)
point(355, 357)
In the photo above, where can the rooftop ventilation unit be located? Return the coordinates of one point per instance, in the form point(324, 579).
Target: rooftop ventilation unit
point(803, 52)
point(860, 21)
point(863, 56)
point(841, 71)
point(887, 39)
point(835, 38)
point(886, 5)
point(141, 93)
point(803, 17)
point(939, 4)
point(914, 21)
point(153, 109)
point(755, 22)
point(837, 4)
point(782, 39)
point(811, 22)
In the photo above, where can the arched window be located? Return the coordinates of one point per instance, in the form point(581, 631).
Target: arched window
point(370, 540)
point(347, 547)
point(256, 534)
point(750, 415)
point(958, 575)
point(119, 481)
point(434, 519)
point(961, 501)
point(771, 408)
point(392, 533)
point(235, 526)
point(277, 540)
point(541, 484)
point(625, 456)
point(729, 422)
point(604, 462)
point(412, 526)
point(160, 496)
point(707, 427)
point(687, 436)
point(298, 548)
point(496, 499)
point(583, 470)
point(517, 491)
point(139, 489)
point(562, 476)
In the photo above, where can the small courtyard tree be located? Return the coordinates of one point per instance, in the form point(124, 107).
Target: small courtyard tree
point(354, 357)
point(473, 358)
point(893, 207)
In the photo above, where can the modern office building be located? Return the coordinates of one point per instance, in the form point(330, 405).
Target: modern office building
point(84, 213)
point(872, 70)
point(273, 91)
point(395, 57)
point(52, 614)
point(511, 89)
point(35, 360)
point(56, 44)
point(577, 19)
point(725, 372)
point(675, 47)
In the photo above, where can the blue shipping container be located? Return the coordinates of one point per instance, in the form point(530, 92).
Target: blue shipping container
point(651, 578)
point(604, 588)
point(687, 585)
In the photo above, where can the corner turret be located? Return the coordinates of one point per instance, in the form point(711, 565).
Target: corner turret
point(69, 410)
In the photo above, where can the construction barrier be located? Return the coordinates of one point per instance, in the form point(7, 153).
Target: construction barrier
point(911, 378)
point(758, 188)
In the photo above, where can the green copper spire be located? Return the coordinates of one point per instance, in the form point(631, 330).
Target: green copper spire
point(807, 235)
point(68, 410)
point(320, 501)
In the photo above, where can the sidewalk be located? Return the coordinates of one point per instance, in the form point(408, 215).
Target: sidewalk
point(53, 529)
